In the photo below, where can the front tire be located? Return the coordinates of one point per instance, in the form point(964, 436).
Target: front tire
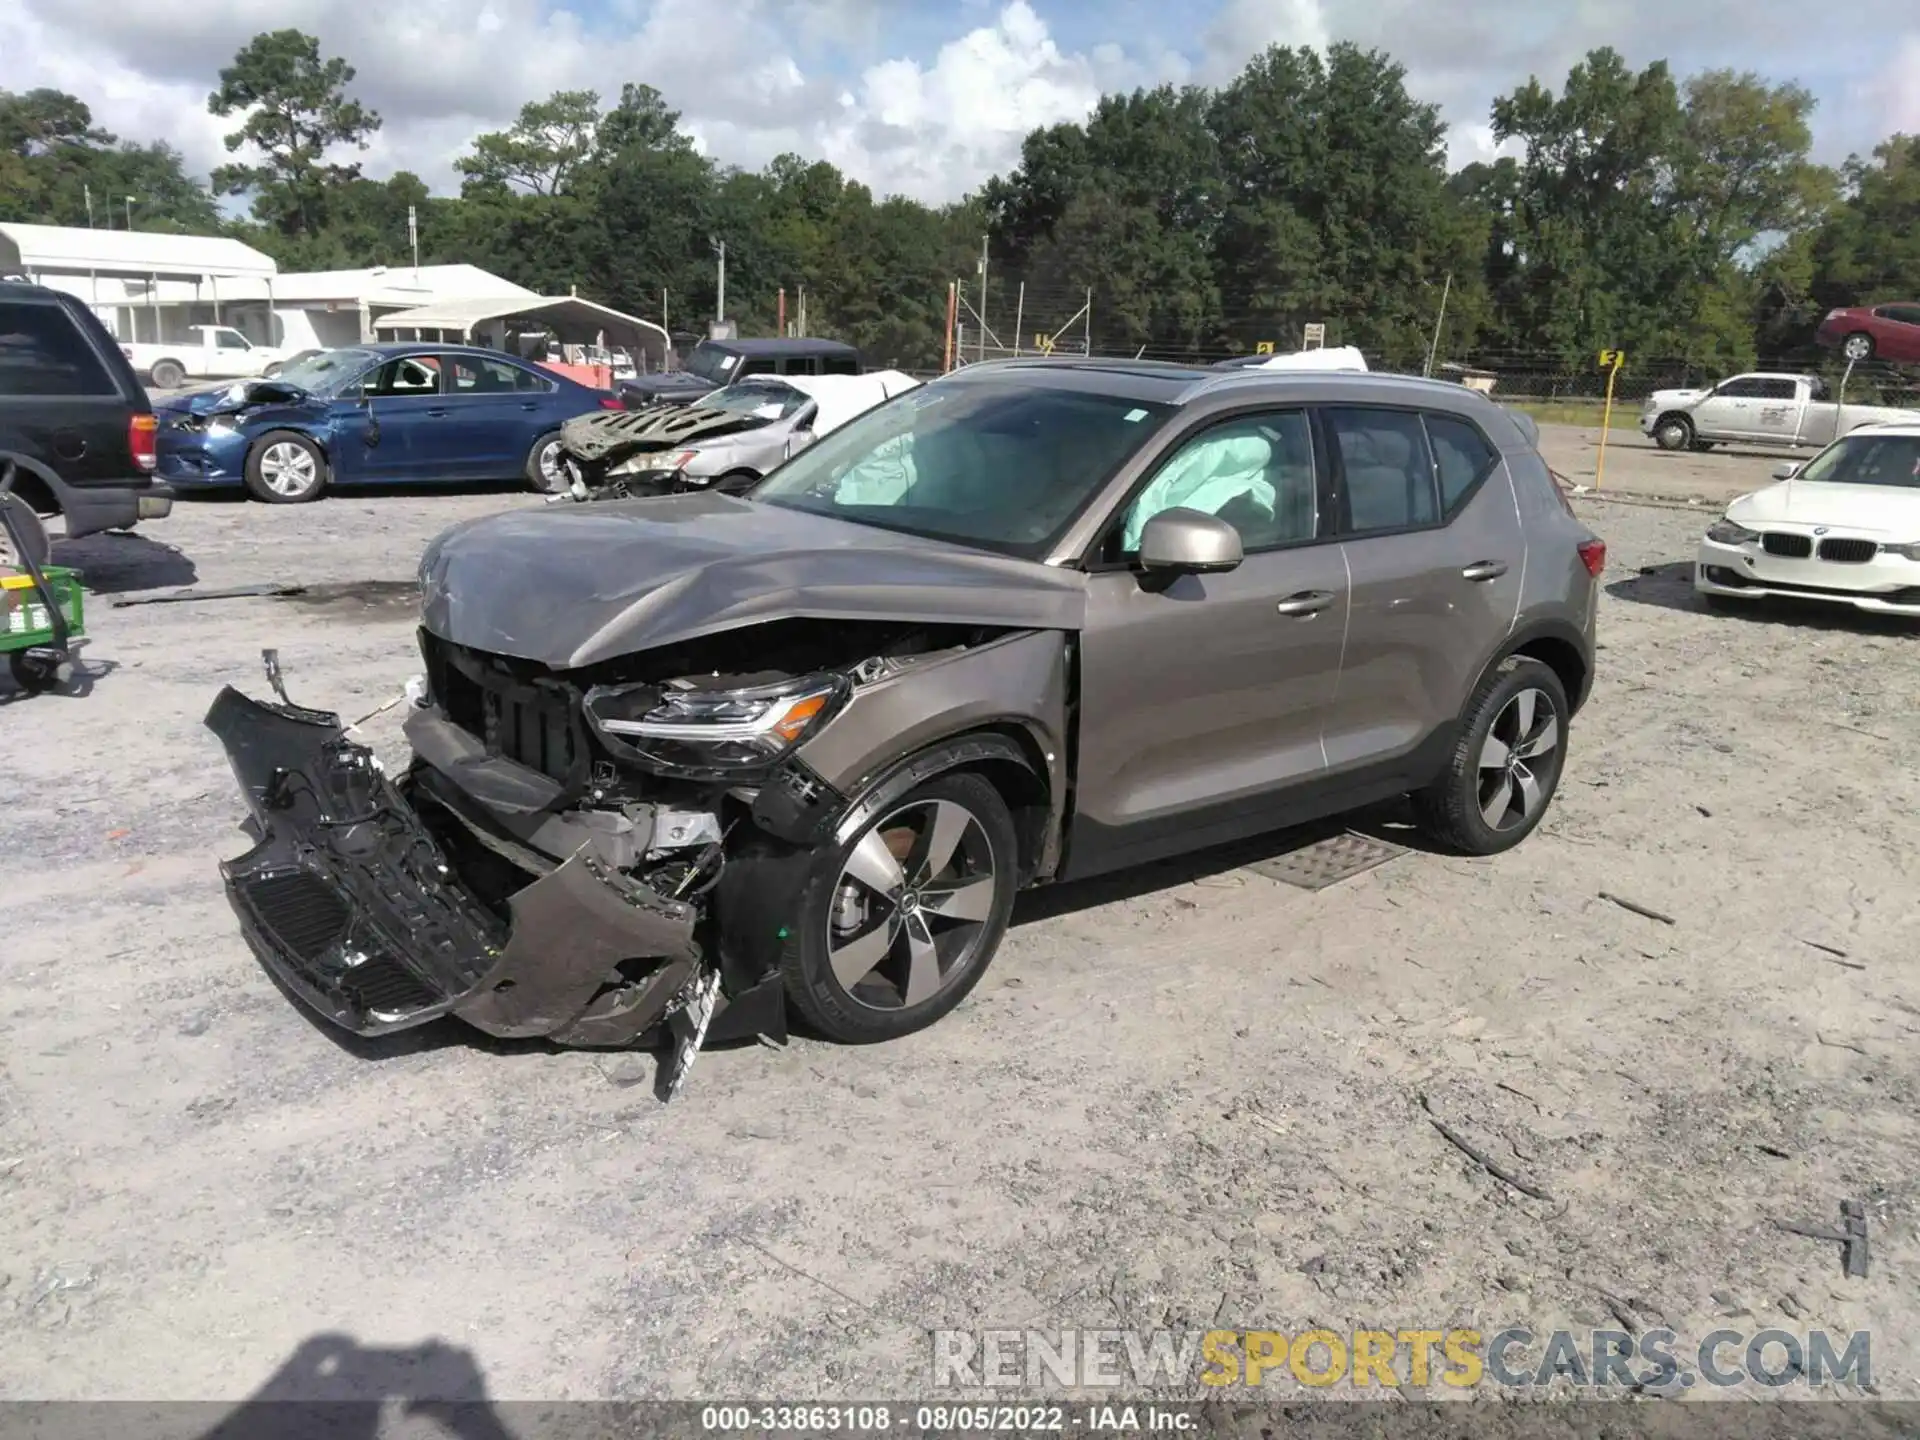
point(286, 468)
point(896, 926)
point(1857, 346)
point(1674, 432)
point(1506, 766)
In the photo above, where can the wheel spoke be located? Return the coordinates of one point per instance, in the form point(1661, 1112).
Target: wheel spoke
point(854, 961)
point(1540, 742)
point(923, 961)
point(873, 865)
point(1494, 809)
point(943, 836)
point(972, 900)
point(1494, 754)
point(1523, 712)
point(1529, 790)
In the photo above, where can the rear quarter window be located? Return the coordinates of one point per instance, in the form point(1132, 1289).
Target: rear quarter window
point(43, 351)
point(1461, 457)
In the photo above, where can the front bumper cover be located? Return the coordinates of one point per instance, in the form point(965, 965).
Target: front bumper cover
point(350, 901)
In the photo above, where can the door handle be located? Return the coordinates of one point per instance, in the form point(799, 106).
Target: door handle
point(529, 405)
point(1306, 603)
point(1485, 570)
point(436, 412)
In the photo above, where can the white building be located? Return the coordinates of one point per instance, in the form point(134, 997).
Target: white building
point(321, 309)
point(145, 285)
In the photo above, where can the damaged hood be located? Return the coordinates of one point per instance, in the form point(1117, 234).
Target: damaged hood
point(226, 399)
point(609, 434)
point(571, 586)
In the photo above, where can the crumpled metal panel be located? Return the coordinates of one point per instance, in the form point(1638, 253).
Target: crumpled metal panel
point(610, 434)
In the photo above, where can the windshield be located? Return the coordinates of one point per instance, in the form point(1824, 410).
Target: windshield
point(762, 401)
point(322, 374)
point(710, 362)
point(1003, 464)
point(1868, 460)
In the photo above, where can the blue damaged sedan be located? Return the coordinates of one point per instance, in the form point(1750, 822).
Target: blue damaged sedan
point(375, 415)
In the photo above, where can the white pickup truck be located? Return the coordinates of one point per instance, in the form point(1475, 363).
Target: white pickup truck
point(214, 352)
point(1785, 411)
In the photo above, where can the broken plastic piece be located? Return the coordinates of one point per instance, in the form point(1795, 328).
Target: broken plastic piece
point(688, 1025)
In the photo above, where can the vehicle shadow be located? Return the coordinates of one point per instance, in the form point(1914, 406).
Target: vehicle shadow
point(115, 561)
point(1670, 587)
point(334, 1387)
point(85, 673)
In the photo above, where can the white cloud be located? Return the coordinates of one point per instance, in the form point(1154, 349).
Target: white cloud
point(759, 77)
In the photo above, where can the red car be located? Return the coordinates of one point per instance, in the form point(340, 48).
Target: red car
point(1879, 332)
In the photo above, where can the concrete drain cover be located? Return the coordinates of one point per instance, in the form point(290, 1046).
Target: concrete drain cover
point(1327, 862)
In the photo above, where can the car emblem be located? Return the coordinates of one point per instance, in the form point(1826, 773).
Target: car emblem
point(1821, 529)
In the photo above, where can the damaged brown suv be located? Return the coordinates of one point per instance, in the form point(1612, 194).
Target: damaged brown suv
point(681, 763)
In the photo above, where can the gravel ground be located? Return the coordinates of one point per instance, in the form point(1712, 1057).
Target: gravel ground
point(1180, 1097)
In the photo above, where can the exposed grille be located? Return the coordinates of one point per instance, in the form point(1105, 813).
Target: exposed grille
point(1847, 552)
point(299, 910)
point(1794, 547)
point(537, 735)
point(519, 721)
point(383, 986)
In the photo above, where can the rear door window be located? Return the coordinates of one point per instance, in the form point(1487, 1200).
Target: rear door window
point(469, 375)
point(1778, 389)
point(44, 352)
point(1388, 472)
point(1745, 388)
point(754, 367)
point(839, 365)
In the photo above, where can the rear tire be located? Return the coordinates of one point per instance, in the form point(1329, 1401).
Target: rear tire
point(168, 374)
point(542, 469)
point(1674, 432)
point(1507, 765)
point(894, 928)
point(286, 468)
point(1857, 346)
point(30, 677)
point(33, 533)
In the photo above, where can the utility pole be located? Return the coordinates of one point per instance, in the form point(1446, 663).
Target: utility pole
point(87, 190)
point(129, 212)
point(1434, 348)
point(983, 297)
point(720, 287)
point(413, 238)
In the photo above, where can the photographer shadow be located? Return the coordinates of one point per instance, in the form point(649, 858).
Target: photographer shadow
point(334, 1388)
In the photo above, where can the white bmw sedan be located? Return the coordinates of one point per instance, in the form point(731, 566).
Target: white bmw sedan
point(1845, 528)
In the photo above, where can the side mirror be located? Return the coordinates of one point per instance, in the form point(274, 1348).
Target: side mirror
point(1786, 470)
point(1189, 542)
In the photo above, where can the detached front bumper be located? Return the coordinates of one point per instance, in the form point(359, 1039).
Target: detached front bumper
point(353, 904)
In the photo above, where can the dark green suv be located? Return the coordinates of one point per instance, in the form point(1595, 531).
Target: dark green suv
point(76, 429)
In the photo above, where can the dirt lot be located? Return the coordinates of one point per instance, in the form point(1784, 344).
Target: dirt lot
point(1185, 1097)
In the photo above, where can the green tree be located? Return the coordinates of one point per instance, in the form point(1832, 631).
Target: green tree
point(296, 111)
point(541, 151)
point(58, 168)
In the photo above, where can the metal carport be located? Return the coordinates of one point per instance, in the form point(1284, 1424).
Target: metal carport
point(573, 320)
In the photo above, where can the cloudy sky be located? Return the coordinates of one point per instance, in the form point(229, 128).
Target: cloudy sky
point(922, 97)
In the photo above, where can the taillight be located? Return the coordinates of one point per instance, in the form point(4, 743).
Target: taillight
point(140, 440)
point(612, 402)
point(1593, 554)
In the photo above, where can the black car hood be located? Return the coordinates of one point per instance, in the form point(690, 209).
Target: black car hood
point(671, 382)
point(574, 585)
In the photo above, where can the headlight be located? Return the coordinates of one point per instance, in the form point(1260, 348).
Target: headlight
point(1909, 551)
point(1725, 532)
point(686, 727)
